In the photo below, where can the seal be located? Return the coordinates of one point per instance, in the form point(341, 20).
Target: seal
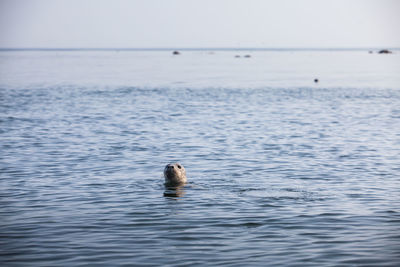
point(174, 174)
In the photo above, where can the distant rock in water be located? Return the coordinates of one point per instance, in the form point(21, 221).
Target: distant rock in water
point(316, 80)
point(384, 51)
point(246, 56)
point(176, 53)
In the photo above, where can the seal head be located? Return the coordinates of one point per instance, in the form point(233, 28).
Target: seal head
point(174, 174)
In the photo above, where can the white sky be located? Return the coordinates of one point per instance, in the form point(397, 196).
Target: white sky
point(199, 23)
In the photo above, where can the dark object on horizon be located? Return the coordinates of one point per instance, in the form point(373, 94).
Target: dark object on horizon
point(384, 51)
point(370, 52)
point(237, 56)
point(315, 80)
point(247, 56)
point(176, 53)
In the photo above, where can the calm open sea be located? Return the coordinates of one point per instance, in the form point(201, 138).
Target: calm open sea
point(281, 170)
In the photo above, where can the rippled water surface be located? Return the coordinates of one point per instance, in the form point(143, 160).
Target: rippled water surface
point(281, 170)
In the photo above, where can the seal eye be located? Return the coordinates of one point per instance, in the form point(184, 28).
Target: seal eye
point(179, 166)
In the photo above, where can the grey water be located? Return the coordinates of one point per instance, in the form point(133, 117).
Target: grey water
point(281, 170)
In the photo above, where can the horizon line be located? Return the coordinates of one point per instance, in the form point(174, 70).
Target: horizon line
point(195, 48)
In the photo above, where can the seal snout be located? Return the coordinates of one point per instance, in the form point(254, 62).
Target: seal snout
point(172, 166)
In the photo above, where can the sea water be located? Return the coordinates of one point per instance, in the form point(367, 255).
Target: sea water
point(282, 170)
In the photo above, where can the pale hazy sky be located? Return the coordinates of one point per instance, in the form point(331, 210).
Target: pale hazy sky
point(199, 23)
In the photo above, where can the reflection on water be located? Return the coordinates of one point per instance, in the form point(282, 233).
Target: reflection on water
point(177, 191)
